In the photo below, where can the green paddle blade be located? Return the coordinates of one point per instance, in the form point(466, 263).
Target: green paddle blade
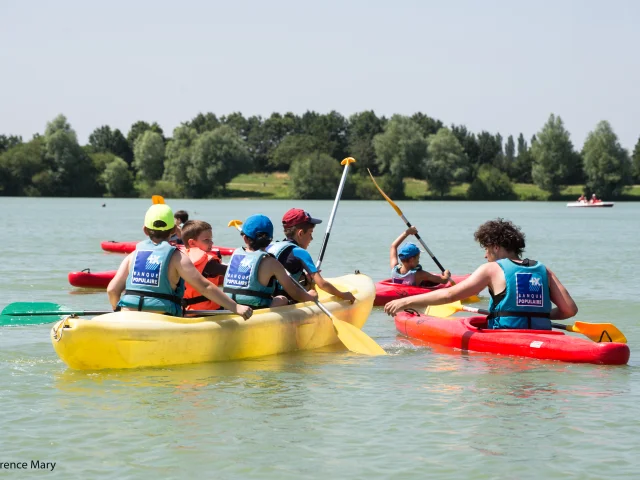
point(31, 308)
point(444, 311)
point(19, 320)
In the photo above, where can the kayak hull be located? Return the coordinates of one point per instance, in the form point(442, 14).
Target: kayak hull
point(128, 247)
point(144, 339)
point(88, 279)
point(467, 334)
point(387, 291)
point(590, 205)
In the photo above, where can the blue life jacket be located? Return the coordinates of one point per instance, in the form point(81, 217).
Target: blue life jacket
point(148, 287)
point(278, 250)
point(241, 280)
point(408, 278)
point(526, 303)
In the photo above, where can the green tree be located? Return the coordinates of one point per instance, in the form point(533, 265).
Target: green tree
point(401, 151)
point(148, 154)
point(73, 172)
point(330, 132)
point(607, 164)
point(491, 184)
point(19, 165)
point(204, 122)
point(553, 156)
point(446, 161)
point(292, 147)
point(362, 128)
point(217, 157)
point(489, 149)
point(470, 145)
point(510, 156)
point(315, 176)
point(118, 179)
point(139, 128)
point(178, 155)
point(7, 142)
point(103, 139)
point(428, 125)
point(636, 163)
point(523, 163)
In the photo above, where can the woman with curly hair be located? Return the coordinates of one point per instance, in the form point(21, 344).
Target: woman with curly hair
point(522, 291)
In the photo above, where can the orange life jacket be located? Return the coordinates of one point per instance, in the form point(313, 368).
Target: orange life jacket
point(192, 300)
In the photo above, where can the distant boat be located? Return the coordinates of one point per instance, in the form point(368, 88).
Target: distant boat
point(591, 205)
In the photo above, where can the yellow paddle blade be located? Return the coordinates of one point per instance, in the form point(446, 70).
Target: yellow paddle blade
point(444, 311)
point(355, 339)
point(235, 223)
point(156, 199)
point(395, 207)
point(348, 161)
point(598, 332)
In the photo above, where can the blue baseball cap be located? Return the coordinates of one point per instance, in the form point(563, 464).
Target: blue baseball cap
point(407, 251)
point(256, 224)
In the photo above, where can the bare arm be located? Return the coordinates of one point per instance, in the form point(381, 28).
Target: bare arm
point(118, 283)
point(565, 307)
point(193, 277)
point(473, 285)
point(330, 288)
point(423, 276)
point(393, 252)
point(296, 291)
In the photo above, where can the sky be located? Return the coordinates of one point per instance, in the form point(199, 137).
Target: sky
point(500, 66)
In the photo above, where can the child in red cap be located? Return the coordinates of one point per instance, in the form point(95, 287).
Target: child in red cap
point(292, 252)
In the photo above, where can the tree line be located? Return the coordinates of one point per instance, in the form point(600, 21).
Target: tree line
point(204, 154)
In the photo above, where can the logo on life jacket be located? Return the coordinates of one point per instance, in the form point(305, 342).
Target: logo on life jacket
point(146, 269)
point(529, 291)
point(239, 271)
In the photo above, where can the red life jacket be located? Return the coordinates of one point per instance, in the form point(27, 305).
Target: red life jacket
point(192, 299)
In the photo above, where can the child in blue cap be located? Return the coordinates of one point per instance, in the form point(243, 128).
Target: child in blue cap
point(252, 272)
point(408, 270)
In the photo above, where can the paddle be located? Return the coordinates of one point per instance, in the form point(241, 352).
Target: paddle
point(404, 219)
point(353, 338)
point(595, 331)
point(346, 162)
point(20, 313)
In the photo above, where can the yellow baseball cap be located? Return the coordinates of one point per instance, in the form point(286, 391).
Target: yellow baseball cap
point(159, 217)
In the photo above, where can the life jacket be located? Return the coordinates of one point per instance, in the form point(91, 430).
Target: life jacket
point(526, 303)
point(192, 299)
point(279, 250)
point(147, 286)
point(408, 278)
point(241, 280)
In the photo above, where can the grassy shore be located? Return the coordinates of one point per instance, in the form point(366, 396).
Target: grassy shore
point(276, 185)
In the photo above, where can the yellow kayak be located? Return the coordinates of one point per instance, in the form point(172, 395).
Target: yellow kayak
point(144, 339)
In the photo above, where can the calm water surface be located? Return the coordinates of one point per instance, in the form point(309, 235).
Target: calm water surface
point(417, 413)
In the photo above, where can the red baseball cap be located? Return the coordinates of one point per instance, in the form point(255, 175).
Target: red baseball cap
point(296, 216)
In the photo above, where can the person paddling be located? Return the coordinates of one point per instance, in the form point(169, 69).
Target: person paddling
point(522, 291)
point(292, 253)
point(408, 270)
point(152, 277)
point(197, 236)
point(252, 272)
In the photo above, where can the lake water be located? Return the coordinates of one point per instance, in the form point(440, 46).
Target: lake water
point(416, 413)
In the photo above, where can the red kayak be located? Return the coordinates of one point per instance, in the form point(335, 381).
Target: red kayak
point(86, 279)
point(386, 290)
point(470, 334)
point(128, 247)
